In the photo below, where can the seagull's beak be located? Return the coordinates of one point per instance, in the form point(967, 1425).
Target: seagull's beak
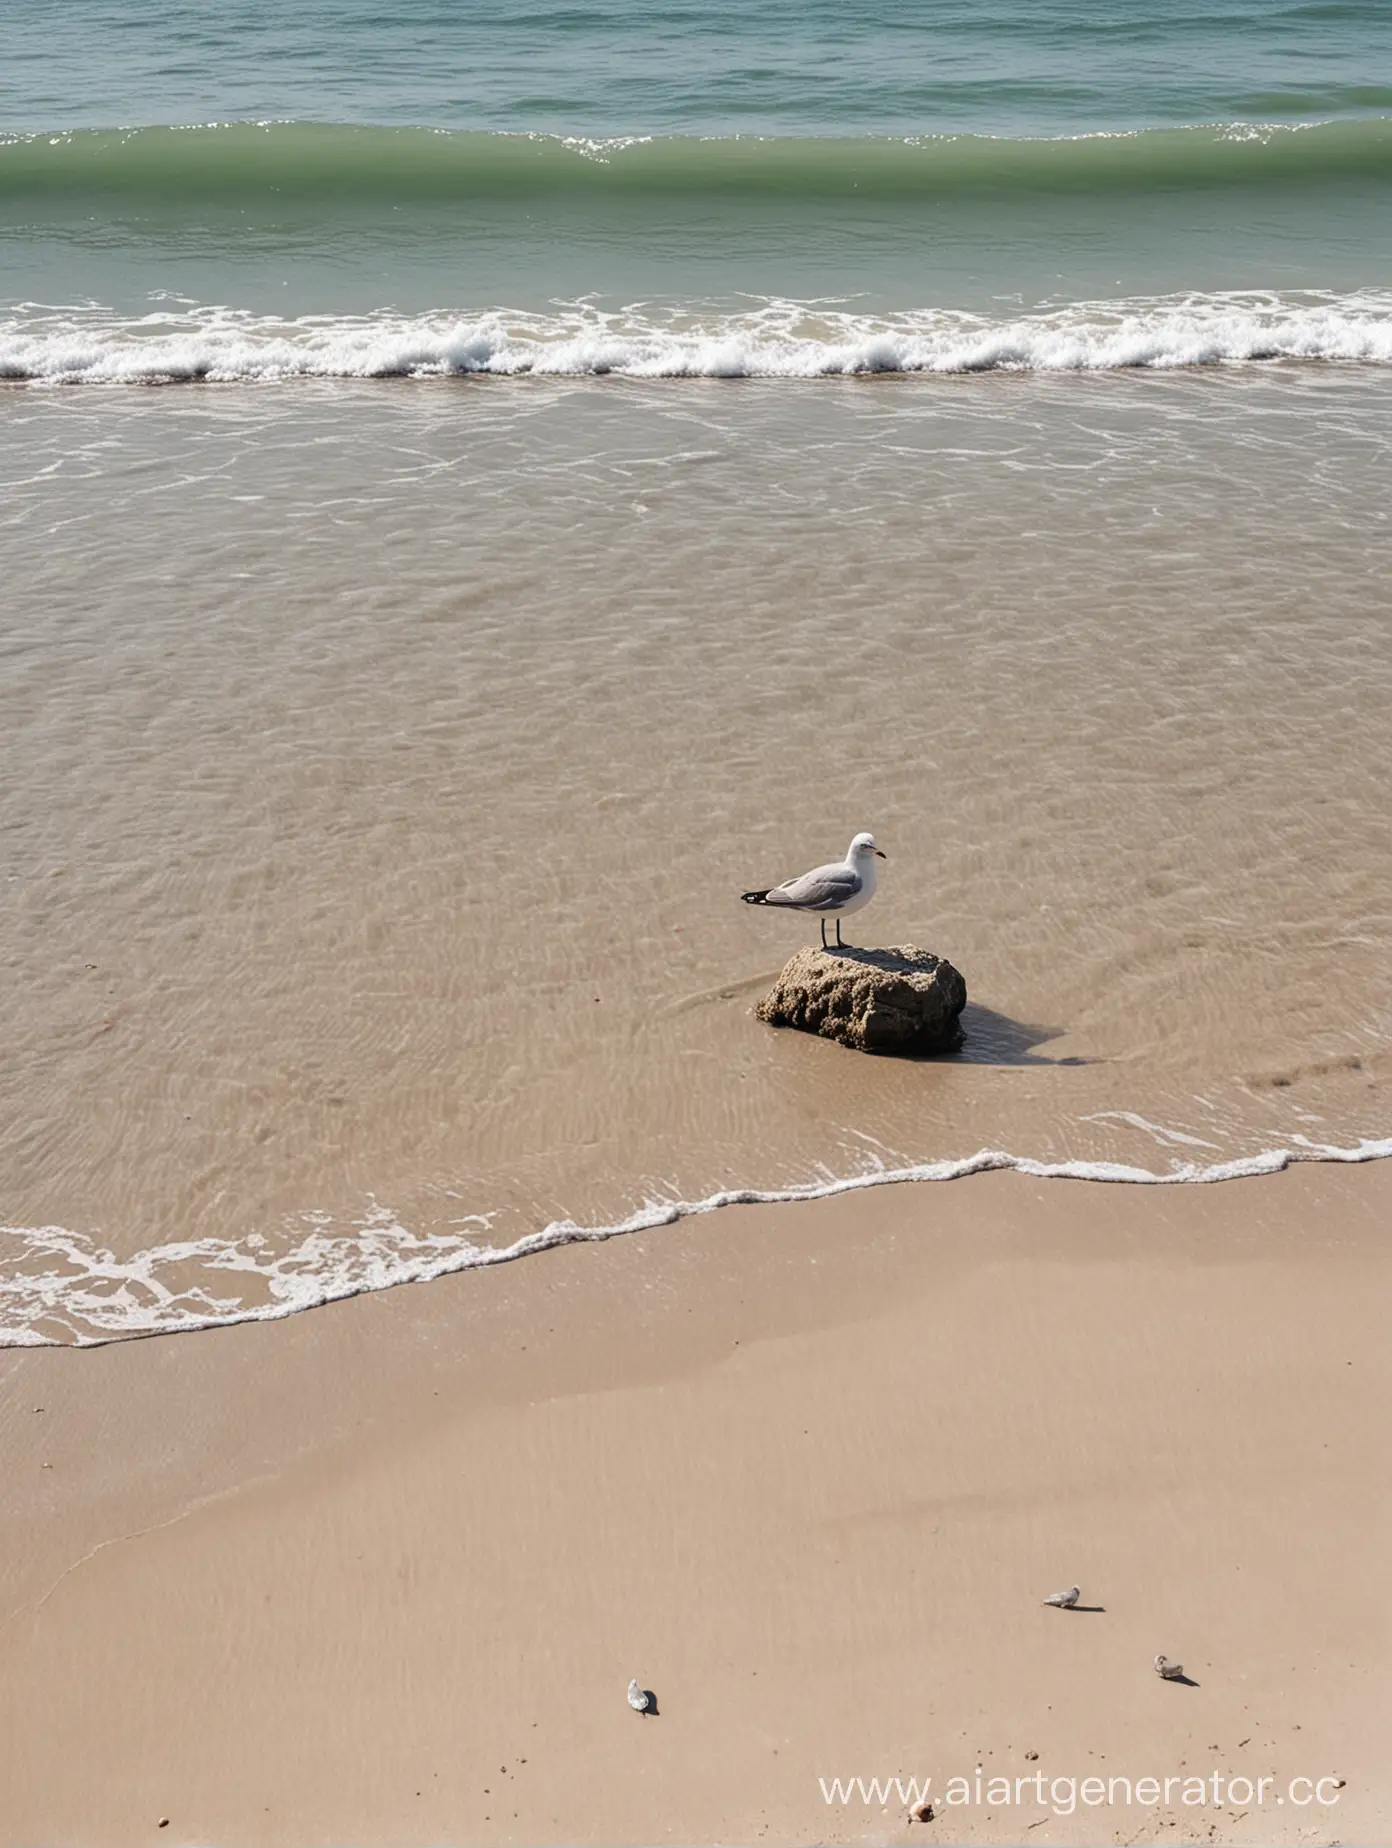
point(880, 854)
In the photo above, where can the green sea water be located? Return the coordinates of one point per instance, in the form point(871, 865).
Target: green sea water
point(771, 188)
point(703, 67)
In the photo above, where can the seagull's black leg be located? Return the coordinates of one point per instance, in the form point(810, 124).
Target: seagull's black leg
point(822, 922)
point(839, 944)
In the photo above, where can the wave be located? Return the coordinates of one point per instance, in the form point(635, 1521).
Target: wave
point(770, 339)
point(267, 166)
point(65, 1279)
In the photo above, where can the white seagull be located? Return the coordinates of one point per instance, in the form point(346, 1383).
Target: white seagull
point(833, 891)
point(1170, 1671)
point(638, 1698)
point(1065, 1600)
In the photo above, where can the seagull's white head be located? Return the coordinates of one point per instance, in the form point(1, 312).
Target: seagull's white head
point(863, 848)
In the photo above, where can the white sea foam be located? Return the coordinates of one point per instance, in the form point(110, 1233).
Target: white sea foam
point(771, 339)
point(61, 1288)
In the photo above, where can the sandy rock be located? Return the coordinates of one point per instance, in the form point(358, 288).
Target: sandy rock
point(902, 1000)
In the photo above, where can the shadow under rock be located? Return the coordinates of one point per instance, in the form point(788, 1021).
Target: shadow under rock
point(991, 1038)
point(988, 1037)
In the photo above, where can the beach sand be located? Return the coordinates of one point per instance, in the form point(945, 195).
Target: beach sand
point(381, 1573)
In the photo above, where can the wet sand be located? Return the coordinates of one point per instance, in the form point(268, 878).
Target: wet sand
point(381, 1573)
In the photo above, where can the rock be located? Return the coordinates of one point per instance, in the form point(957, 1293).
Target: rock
point(922, 1812)
point(901, 1000)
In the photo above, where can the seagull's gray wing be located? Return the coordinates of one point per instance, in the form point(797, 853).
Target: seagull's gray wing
point(825, 888)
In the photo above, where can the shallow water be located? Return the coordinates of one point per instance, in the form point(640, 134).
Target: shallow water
point(381, 766)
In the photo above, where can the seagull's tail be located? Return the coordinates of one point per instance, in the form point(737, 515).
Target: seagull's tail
point(756, 898)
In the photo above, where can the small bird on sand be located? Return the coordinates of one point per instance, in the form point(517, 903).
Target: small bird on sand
point(638, 1698)
point(832, 891)
point(1171, 1671)
point(1065, 1600)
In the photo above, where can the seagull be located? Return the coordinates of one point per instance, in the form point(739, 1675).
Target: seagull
point(1065, 1600)
point(832, 891)
point(638, 1698)
point(1168, 1670)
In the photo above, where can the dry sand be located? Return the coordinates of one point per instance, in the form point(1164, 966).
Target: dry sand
point(381, 1574)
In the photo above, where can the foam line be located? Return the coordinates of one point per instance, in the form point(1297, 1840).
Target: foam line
point(98, 1298)
point(774, 339)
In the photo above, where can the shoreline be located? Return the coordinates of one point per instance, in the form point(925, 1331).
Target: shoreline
point(559, 1234)
point(807, 1474)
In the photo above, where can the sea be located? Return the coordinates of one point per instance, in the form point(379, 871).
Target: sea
point(482, 487)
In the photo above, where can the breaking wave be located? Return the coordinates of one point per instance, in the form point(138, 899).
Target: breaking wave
point(768, 339)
